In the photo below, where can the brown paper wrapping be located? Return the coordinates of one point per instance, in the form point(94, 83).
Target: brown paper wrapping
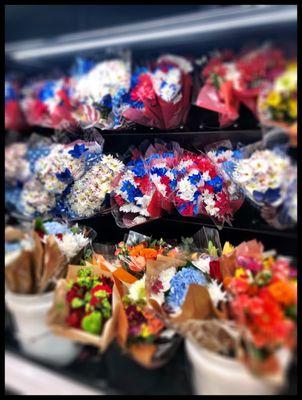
point(19, 274)
point(12, 234)
point(59, 310)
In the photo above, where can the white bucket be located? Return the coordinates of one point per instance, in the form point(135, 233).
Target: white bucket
point(214, 374)
point(35, 337)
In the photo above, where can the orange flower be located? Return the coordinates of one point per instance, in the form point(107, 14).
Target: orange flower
point(283, 292)
point(155, 325)
point(149, 254)
point(136, 250)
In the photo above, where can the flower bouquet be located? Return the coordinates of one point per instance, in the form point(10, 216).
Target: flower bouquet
point(225, 157)
point(160, 97)
point(162, 160)
point(233, 80)
point(134, 199)
point(14, 117)
point(98, 92)
point(265, 177)
point(140, 332)
point(85, 307)
point(48, 104)
point(257, 328)
point(200, 189)
point(277, 106)
point(137, 249)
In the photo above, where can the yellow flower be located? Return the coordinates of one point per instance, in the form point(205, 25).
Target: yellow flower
point(273, 99)
point(293, 108)
point(227, 248)
point(288, 80)
point(268, 262)
point(145, 331)
point(239, 272)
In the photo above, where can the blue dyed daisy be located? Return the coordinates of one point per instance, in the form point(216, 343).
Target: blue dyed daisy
point(180, 284)
point(131, 190)
point(216, 184)
point(78, 150)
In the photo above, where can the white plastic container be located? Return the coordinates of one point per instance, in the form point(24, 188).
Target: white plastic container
point(35, 337)
point(213, 374)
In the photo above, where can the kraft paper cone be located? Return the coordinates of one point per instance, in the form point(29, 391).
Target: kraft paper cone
point(19, 274)
point(59, 311)
point(54, 263)
point(13, 234)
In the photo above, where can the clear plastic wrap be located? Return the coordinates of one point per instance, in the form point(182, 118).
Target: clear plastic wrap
point(14, 116)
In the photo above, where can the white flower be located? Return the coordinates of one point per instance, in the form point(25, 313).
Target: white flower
point(212, 210)
point(160, 186)
point(216, 293)
point(166, 276)
point(143, 201)
point(185, 189)
point(139, 220)
point(137, 290)
point(71, 244)
point(203, 264)
point(206, 176)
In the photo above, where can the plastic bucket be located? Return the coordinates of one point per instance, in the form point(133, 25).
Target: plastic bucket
point(213, 374)
point(35, 337)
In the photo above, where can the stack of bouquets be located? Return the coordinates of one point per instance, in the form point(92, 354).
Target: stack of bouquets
point(160, 96)
point(277, 106)
point(260, 321)
point(85, 306)
point(36, 258)
point(200, 189)
point(233, 80)
point(48, 104)
point(135, 199)
point(14, 116)
point(267, 178)
point(98, 92)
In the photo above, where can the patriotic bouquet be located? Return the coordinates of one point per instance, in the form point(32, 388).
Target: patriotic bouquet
point(48, 104)
point(200, 189)
point(14, 116)
point(277, 106)
point(98, 92)
point(162, 160)
point(265, 176)
point(233, 80)
point(160, 96)
point(225, 157)
point(134, 199)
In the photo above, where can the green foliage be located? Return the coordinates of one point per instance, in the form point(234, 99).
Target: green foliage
point(77, 302)
point(38, 225)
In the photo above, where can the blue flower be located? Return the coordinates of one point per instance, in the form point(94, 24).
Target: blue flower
point(159, 171)
point(221, 150)
point(82, 66)
point(268, 197)
point(53, 228)
point(64, 176)
point(10, 93)
point(78, 150)
point(107, 101)
point(195, 179)
point(168, 154)
point(237, 154)
point(132, 191)
point(47, 91)
point(137, 167)
point(180, 284)
point(173, 184)
point(216, 184)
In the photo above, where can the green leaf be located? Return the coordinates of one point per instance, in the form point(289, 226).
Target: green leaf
point(92, 323)
point(38, 225)
point(212, 250)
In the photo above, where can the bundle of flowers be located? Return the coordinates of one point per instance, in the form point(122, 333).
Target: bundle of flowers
point(200, 189)
point(87, 195)
point(265, 177)
point(140, 331)
point(14, 116)
point(98, 92)
point(48, 104)
point(225, 158)
point(85, 306)
point(162, 160)
point(134, 199)
point(137, 249)
point(277, 104)
point(36, 258)
point(261, 304)
point(54, 169)
point(160, 97)
point(231, 80)
point(16, 163)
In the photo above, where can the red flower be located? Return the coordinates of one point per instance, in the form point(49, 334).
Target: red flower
point(215, 271)
point(59, 236)
point(74, 318)
point(104, 287)
point(157, 286)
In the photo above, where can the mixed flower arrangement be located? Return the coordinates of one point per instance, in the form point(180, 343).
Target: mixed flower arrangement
point(233, 80)
point(14, 116)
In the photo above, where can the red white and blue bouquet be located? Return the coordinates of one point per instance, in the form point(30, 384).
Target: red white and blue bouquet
point(14, 116)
